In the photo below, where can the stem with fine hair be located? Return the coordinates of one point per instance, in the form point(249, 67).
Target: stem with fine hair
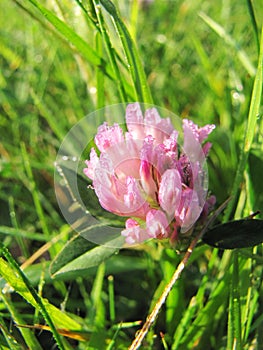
point(152, 316)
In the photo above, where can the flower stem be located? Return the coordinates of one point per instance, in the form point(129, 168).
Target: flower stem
point(152, 316)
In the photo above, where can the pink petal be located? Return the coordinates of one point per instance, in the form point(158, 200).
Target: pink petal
point(108, 136)
point(189, 210)
point(108, 188)
point(200, 134)
point(125, 160)
point(120, 197)
point(159, 158)
point(205, 131)
point(147, 168)
point(147, 182)
point(206, 148)
point(170, 191)
point(192, 148)
point(134, 233)
point(133, 199)
point(171, 143)
point(156, 126)
point(134, 121)
point(157, 224)
point(152, 124)
point(91, 164)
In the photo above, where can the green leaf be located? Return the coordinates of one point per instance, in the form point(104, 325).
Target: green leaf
point(72, 250)
point(79, 254)
point(243, 233)
point(117, 264)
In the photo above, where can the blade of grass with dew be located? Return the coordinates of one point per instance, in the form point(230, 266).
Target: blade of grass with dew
point(135, 10)
point(110, 51)
point(27, 334)
point(91, 15)
point(234, 313)
point(89, 12)
point(54, 317)
point(12, 273)
point(250, 130)
point(20, 240)
point(141, 87)
point(249, 291)
point(242, 56)
point(97, 316)
point(24, 288)
point(254, 22)
point(99, 75)
point(7, 339)
point(13, 232)
point(82, 46)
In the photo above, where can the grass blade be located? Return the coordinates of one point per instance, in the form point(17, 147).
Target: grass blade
point(10, 231)
point(83, 47)
point(100, 76)
point(141, 87)
point(254, 22)
point(234, 324)
point(250, 130)
point(110, 51)
point(244, 59)
point(26, 289)
point(27, 334)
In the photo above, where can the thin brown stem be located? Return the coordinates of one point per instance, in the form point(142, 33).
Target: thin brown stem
point(152, 316)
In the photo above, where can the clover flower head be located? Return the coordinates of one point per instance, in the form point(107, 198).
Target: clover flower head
point(143, 174)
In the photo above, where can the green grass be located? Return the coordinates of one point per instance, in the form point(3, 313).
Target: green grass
point(61, 60)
